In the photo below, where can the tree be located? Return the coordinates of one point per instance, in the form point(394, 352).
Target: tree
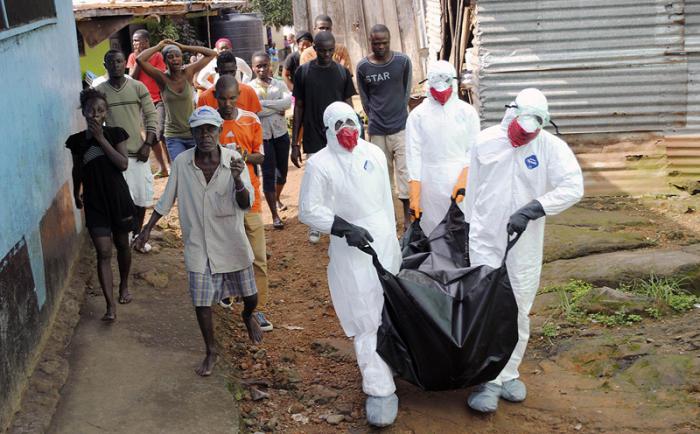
point(276, 13)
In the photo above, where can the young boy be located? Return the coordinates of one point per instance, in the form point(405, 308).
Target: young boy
point(242, 131)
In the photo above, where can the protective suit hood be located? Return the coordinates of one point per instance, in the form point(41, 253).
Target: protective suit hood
point(441, 76)
point(338, 111)
point(529, 103)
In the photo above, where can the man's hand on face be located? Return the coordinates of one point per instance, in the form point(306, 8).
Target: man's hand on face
point(237, 166)
point(143, 153)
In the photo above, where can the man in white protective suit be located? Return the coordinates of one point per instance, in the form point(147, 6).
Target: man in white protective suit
point(440, 133)
point(519, 173)
point(346, 192)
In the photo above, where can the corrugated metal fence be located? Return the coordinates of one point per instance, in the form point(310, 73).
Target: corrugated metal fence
point(352, 21)
point(605, 65)
point(627, 67)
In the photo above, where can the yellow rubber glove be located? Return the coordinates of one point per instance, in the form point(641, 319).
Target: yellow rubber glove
point(414, 199)
point(460, 184)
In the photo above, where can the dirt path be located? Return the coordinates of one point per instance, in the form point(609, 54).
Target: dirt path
point(303, 378)
point(137, 374)
point(307, 372)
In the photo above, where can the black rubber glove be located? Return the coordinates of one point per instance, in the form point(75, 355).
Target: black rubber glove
point(355, 236)
point(520, 218)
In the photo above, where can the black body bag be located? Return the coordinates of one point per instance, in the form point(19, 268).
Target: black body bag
point(445, 325)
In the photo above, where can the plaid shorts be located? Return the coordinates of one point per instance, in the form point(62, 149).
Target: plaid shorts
point(207, 288)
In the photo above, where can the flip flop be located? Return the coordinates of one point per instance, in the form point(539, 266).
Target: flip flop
point(278, 224)
point(125, 299)
point(109, 318)
point(161, 175)
point(281, 206)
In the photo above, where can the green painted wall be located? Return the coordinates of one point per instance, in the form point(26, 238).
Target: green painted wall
point(93, 58)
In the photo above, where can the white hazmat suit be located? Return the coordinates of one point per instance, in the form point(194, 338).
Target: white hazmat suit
point(438, 143)
point(503, 179)
point(355, 187)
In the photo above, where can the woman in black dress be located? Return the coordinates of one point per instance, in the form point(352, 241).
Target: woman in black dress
point(99, 158)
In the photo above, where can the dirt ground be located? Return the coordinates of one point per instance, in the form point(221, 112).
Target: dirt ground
point(303, 378)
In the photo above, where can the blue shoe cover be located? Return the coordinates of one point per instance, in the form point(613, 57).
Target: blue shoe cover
point(381, 411)
point(485, 398)
point(514, 391)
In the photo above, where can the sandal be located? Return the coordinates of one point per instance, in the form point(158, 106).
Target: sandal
point(125, 299)
point(281, 206)
point(278, 224)
point(159, 175)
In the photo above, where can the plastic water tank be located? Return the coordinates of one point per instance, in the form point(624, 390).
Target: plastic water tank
point(244, 30)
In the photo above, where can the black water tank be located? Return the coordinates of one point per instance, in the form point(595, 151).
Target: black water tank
point(244, 30)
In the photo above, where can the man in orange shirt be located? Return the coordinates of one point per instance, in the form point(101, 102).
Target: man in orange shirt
point(243, 132)
point(323, 23)
point(247, 98)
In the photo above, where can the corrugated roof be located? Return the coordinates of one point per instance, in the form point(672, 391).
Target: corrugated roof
point(605, 65)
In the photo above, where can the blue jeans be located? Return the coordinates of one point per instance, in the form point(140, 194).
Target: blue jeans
point(177, 145)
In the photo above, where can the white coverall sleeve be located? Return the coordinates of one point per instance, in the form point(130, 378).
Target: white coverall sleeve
point(474, 129)
point(244, 69)
point(313, 199)
point(413, 147)
point(472, 183)
point(203, 75)
point(565, 176)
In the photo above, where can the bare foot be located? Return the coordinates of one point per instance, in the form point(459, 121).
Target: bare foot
point(207, 365)
point(124, 296)
point(109, 316)
point(254, 331)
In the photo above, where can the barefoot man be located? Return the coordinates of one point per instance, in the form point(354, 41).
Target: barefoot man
point(213, 189)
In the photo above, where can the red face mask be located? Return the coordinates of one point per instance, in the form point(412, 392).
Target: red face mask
point(518, 136)
point(441, 96)
point(347, 137)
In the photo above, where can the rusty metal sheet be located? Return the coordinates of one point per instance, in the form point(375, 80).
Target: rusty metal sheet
point(97, 30)
point(86, 9)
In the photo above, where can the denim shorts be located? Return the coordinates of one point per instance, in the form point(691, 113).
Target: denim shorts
point(177, 145)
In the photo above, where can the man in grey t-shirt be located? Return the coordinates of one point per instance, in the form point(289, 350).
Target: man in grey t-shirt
point(384, 82)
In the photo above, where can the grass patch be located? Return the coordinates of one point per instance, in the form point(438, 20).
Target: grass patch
point(667, 291)
point(666, 295)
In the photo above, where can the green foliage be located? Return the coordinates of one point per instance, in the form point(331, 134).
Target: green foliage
point(550, 330)
point(667, 291)
point(666, 294)
point(653, 312)
point(619, 318)
point(276, 13)
point(569, 297)
point(178, 29)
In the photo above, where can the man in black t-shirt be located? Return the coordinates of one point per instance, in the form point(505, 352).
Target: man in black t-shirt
point(317, 84)
point(291, 63)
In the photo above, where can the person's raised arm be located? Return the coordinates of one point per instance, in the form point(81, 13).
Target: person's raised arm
point(153, 72)
point(192, 69)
